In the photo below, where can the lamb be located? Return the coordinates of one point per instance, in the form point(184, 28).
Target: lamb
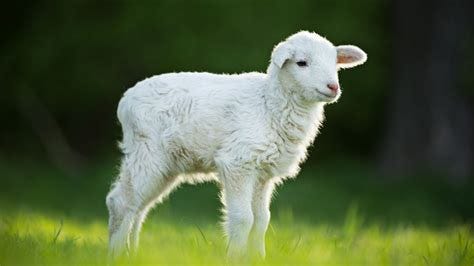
point(247, 131)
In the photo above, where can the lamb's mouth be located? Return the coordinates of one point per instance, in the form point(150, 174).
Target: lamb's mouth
point(326, 95)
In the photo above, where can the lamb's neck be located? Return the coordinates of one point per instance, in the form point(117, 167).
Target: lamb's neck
point(295, 119)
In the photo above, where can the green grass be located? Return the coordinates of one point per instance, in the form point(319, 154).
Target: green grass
point(329, 215)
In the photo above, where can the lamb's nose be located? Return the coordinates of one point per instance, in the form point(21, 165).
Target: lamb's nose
point(333, 87)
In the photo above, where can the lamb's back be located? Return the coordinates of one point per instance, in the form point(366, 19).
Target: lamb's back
point(189, 108)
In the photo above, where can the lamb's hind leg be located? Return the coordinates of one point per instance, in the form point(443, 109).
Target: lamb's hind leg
point(139, 183)
point(121, 217)
point(162, 192)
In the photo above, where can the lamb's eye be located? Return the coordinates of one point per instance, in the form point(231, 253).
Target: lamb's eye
point(302, 63)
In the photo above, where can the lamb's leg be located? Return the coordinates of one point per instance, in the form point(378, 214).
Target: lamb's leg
point(162, 192)
point(261, 212)
point(237, 198)
point(140, 182)
point(137, 227)
point(121, 217)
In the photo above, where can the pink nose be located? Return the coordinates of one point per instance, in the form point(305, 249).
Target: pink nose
point(333, 87)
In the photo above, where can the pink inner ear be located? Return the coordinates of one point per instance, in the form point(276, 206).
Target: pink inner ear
point(345, 58)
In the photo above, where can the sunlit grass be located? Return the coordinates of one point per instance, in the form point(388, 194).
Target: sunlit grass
point(329, 215)
point(31, 238)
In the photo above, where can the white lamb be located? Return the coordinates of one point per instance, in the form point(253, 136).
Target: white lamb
point(247, 131)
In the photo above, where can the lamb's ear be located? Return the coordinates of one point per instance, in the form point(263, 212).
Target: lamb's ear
point(281, 53)
point(350, 56)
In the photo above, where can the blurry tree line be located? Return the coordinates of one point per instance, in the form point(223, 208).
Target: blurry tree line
point(65, 64)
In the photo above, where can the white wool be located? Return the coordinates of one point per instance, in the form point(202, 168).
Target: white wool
point(247, 131)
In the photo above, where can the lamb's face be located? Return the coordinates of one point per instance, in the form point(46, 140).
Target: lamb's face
point(308, 65)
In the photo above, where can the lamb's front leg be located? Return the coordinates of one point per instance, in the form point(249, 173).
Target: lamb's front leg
point(261, 212)
point(237, 198)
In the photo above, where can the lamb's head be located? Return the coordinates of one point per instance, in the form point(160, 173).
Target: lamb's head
point(308, 64)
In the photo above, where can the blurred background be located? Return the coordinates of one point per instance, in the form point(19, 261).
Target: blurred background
point(399, 144)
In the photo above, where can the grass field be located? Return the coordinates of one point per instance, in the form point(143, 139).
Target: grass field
point(329, 215)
